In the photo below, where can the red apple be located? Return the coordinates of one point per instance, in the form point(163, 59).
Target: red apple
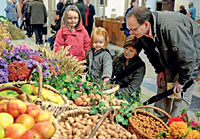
point(15, 131)
point(16, 108)
point(46, 129)
point(32, 110)
point(31, 134)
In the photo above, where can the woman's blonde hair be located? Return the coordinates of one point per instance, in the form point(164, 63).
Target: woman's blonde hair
point(64, 18)
point(100, 31)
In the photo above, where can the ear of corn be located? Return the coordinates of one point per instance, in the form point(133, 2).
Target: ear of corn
point(66, 63)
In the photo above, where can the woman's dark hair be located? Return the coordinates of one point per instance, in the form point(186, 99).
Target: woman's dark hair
point(132, 41)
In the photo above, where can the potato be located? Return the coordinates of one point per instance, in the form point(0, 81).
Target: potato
point(70, 120)
point(67, 125)
point(76, 119)
point(78, 101)
point(97, 96)
point(91, 95)
point(133, 136)
point(101, 137)
point(86, 116)
point(85, 103)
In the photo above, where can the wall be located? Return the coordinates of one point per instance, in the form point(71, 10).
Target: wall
point(196, 3)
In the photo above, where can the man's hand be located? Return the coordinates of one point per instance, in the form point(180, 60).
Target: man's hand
point(160, 76)
point(177, 87)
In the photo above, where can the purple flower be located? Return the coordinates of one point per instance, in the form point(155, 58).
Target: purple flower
point(6, 79)
point(56, 59)
point(18, 57)
point(1, 79)
point(2, 72)
point(50, 60)
point(45, 65)
point(4, 53)
point(56, 68)
point(7, 40)
point(44, 73)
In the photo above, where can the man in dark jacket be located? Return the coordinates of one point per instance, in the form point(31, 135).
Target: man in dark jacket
point(89, 17)
point(177, 41)
point(38, 13)
point(60, 5)
point(82, 8)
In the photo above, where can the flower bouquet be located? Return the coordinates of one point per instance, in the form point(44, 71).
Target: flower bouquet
point(181, 127)
point(16, 61)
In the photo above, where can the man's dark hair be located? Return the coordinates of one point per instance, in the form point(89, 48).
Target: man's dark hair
point(142, 14)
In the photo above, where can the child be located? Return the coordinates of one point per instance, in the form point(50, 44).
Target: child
point(129, 69)
point(73, 33)
point(99, 59)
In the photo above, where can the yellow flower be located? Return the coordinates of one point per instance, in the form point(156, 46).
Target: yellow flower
point(193, 135)
point(178, 129)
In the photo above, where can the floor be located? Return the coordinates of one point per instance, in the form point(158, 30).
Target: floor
point(148, 86)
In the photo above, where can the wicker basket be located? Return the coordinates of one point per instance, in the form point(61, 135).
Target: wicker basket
point(57, 134)
point(88, 131)
point(56, 109)
point(148, 129)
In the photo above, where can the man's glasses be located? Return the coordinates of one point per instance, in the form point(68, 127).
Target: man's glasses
point(135, 28)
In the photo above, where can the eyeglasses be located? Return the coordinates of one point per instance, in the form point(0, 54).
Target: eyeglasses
point(135, 28)
point(70, 18)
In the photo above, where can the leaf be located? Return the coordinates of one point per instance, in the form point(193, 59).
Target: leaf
point(102, 104)
point(75, 95)
point(124, 104)
point(84, 85)
point(36, 84)
point(93, 110)
point(129, 115)
point(62, 91)
point(125, 122)
point(121, 110)
point(120, 118)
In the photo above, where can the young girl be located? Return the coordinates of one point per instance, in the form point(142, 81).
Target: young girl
point(129, 69)
point(99, 59)
point(73, 33)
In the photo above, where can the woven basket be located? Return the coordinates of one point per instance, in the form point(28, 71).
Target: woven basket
point(57, 134)
point(56, 109)
point(88, 131)
point(150, 127)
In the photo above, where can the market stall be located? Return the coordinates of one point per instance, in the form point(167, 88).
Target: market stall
point(43, 95)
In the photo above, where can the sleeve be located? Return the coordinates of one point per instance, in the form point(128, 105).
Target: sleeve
point(136, 81)
point(59, 41)
point(86, 42)
point(45, 14)
point(149, 49)
point(107, 66)
point(183, 50)
point(92, 13)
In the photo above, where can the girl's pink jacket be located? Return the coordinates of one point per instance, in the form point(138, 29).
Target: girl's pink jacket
point(78, 40)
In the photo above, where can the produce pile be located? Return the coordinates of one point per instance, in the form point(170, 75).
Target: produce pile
point(181, 127)
point(80, 126)
point(24, 121)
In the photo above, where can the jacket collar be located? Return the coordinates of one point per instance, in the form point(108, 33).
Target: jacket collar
point(67, 31)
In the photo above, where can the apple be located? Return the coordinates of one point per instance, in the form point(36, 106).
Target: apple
point(44, 116)
point(15, 131)
point(46, 129)
point(6, 120)
point(31, 134)
point(26, 120)
point(3, 104)
point(32, 110)
point(16, 108)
